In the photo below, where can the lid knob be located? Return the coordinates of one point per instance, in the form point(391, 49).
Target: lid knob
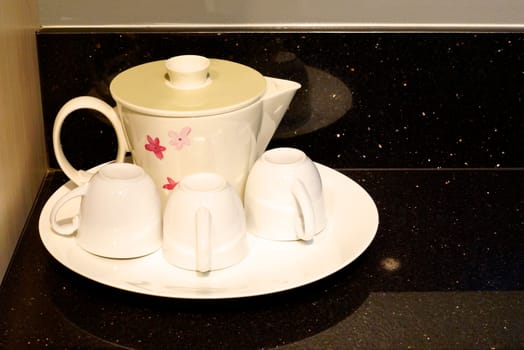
point(188, 72)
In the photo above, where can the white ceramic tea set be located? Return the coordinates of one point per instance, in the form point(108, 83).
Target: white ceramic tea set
point(203, 194)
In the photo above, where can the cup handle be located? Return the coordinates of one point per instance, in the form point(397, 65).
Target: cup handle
point(69, 228)
point(203, 239)
point(80, 177)
point(305, 223)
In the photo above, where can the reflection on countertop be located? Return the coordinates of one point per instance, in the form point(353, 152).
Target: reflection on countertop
point(321, 102)
point(444, 271)
point(369, 100)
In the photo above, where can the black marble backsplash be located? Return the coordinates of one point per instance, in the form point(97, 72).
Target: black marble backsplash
point(369, 100)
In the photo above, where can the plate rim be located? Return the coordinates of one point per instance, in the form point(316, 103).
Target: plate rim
point(47, 236)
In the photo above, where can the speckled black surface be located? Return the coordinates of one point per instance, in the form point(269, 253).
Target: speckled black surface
point(417, 100)
point(435, 126)
point(445, 271)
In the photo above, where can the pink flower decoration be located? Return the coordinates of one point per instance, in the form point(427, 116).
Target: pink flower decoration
point(155, 147)
point(180, 139)
point(170, 184)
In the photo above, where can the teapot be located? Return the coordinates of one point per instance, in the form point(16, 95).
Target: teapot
point(187, 114)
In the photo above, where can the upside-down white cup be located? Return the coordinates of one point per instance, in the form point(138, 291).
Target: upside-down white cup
point(120, 213)
point(204, 224)
point(284, 197)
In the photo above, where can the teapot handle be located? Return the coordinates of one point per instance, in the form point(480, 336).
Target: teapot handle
point(80, 177)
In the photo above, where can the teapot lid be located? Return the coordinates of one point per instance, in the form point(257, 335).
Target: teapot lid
point(188, 86)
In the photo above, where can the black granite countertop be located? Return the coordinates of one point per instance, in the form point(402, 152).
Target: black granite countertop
point(430, 124)
point(444, 271)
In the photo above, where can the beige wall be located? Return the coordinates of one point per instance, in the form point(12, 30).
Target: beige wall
point(303, 14)
point(23, 162)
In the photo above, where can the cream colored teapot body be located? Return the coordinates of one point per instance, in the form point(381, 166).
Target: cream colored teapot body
point(185, 115)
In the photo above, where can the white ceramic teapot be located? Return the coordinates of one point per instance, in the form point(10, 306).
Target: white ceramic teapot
point(185, 115)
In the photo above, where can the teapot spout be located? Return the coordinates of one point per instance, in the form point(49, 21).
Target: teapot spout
point(276, 100)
